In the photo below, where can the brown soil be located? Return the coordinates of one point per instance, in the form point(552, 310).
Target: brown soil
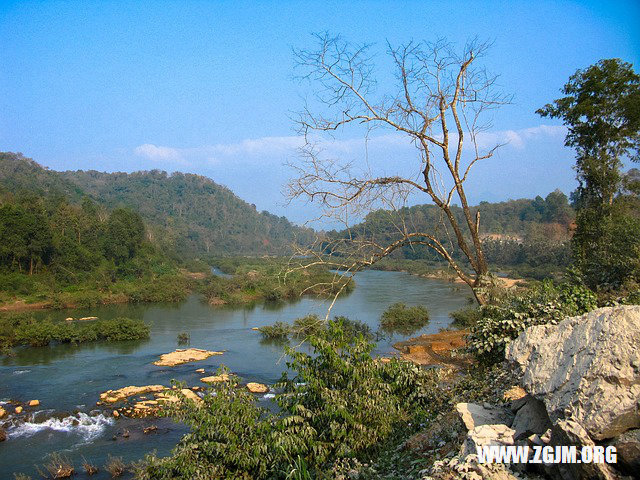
point(435, 349)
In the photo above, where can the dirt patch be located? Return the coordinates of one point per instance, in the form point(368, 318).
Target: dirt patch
point(435, 349)
point(21, 305)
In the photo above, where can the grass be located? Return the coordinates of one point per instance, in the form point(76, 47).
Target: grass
point(115, 466)
point(58, 466)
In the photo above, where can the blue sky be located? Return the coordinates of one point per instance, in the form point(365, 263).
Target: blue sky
point(208, 88)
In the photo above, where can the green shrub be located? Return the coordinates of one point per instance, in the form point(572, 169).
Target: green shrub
point(26, 330)
point(122, 328)
point(277, 331)
point(545, 303)
point(184, 338)
point(466, 317)
point(308, 325)
point(402, 319)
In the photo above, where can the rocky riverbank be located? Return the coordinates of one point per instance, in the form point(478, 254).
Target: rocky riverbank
point(579, 385)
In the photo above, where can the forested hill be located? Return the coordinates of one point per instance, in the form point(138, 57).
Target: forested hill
point(185, 214)
point(529, 234)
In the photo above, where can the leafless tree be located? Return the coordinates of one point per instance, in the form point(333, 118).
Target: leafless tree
point(439, 104)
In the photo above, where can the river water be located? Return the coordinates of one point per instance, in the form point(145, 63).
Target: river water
point(68, 379)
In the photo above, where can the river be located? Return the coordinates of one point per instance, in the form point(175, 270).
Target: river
point(68, 380)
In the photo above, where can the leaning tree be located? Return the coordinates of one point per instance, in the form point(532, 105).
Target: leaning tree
point(438, 103)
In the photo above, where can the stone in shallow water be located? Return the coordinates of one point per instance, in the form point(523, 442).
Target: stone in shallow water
point(181, 356)
point(254, 387)
point(112, 396)
point(215, 378)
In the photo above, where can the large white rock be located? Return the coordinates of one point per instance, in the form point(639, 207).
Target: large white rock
point(585, 369)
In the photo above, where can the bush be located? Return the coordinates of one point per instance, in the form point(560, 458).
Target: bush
point(402, 319)
point(308, 325)
point(546, 303)
point(466, 317)
point(184, 338)
point(277, 331)
point(26, 330)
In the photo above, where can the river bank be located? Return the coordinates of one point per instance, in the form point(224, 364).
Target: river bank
point(68, 379)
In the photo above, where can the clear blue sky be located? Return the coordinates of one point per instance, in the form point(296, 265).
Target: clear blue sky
point(206, 87)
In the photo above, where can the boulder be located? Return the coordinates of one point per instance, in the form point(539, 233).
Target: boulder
point(254, 387)
point(113, 396)
point(182, 355)
point(486, 435)
point(3, 412)
point(530, 419)
point(569, 432)
point(3, 434)
point(200, 370)
point(34, 403)
point(216, 378)
point(628, 450)
point(474, 415)
point(18, 409)
point(585, 369)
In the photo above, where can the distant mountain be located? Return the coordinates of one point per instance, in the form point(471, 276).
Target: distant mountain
point(190, 215)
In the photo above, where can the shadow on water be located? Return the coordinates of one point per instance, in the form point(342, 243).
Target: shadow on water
point(51, 353)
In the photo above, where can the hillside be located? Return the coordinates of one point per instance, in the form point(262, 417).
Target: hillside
point(186, 215)
point(528, 235)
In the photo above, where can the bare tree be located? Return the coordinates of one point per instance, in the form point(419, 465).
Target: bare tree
point(439, 103)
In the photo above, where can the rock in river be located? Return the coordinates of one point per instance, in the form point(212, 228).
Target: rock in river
point(112, 396)
point(254, 387)
point(215, 378)
point(181, 356)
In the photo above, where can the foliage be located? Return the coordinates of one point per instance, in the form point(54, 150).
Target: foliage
point(545, 303)
point(184, 338)
point(304, 327)
point(24, 329)
point(277, 331)
point(255, 280)
point(466, 317)
point(527, 238)
point(402, 319)
point(601, 111)
point(337, 403)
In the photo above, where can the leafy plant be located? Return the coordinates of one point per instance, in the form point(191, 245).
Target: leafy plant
point(546, 303)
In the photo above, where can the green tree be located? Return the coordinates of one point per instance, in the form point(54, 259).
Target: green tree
point(602, 111)
point(124, 235)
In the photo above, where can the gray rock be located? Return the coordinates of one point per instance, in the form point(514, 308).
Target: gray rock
point(474, 415)
point(486, 435)
point(585, 368)
point(568, 432)
point(531, 418)
point(628, 452)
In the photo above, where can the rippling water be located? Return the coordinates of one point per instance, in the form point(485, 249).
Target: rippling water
point(69, 379)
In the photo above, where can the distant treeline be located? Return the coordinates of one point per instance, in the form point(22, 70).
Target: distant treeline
point(531, 235)
point(186, 215)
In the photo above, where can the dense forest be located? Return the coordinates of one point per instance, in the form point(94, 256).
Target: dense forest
point(186, 215)
point(530, 235)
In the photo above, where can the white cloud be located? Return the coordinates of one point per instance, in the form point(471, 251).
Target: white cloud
point(275, 148)
point(153, 152)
